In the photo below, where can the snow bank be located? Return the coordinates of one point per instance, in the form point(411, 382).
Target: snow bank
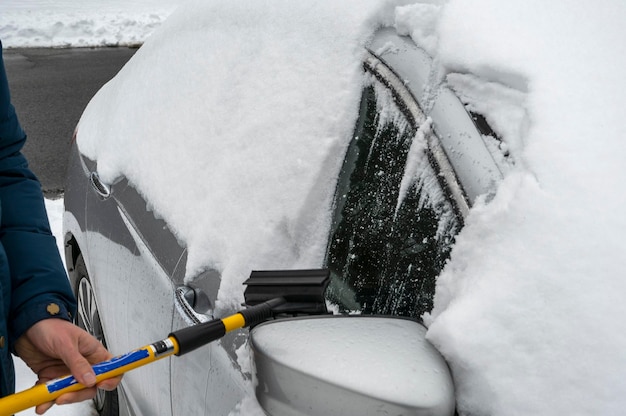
point(527, 309)
point(62, 23)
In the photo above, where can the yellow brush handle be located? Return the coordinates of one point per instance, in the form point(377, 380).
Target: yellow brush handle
point(43, 393)
point(179, 343)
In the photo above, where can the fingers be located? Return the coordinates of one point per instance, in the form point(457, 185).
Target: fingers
point(74, 397)
point(78, 365)
point(81, 370)
point(43, 408)
point(81, 395)
point(79, 360)
point(53, 346)
point(79, 354)
point(110, 384)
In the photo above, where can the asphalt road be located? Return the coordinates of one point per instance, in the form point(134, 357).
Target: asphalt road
point(50, 89)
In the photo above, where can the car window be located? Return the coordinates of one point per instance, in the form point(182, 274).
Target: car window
point(393, 226)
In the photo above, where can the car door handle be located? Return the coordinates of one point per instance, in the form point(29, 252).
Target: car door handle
point(195, 299)
point(103, 190)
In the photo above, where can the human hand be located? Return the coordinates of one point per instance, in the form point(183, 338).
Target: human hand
point(54, 348)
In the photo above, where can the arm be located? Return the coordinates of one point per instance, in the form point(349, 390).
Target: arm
point(39, 286)
point(41, 300)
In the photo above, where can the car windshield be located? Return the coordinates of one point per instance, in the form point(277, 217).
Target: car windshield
point(393, 226)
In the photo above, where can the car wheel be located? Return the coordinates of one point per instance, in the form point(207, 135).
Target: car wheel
point(88, 318)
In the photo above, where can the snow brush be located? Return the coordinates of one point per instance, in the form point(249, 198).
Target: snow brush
point(269, 294)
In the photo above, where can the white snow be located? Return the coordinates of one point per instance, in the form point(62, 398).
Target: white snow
point(80, 23)
point(529, 311)
point(256, 174)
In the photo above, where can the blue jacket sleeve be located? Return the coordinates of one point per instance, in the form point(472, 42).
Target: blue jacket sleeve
point(38, 282)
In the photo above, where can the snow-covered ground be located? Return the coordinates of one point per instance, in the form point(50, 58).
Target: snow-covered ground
point(60, 23)
point(529, 311)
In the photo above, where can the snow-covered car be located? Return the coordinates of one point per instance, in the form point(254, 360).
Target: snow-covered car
point(243, 138)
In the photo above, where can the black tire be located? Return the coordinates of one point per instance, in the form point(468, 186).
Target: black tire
point(88, 318)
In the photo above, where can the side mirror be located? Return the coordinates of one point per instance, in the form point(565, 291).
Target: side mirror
point(349, 365)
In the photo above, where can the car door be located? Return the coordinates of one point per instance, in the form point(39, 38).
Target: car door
point(207, 381)
point(146, 296)
point(131, 257)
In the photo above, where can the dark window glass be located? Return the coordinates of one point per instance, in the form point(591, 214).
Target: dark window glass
point(387, 249)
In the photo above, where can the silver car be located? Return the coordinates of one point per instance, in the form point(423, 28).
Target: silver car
point(388, 242)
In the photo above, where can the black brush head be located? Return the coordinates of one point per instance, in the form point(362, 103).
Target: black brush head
point(303, 290)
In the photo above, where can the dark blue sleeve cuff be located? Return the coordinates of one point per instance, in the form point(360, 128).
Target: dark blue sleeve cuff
point(45, 307)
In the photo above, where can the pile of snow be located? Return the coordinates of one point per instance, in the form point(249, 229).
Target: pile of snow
point(62, 23)
point(529, 309)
